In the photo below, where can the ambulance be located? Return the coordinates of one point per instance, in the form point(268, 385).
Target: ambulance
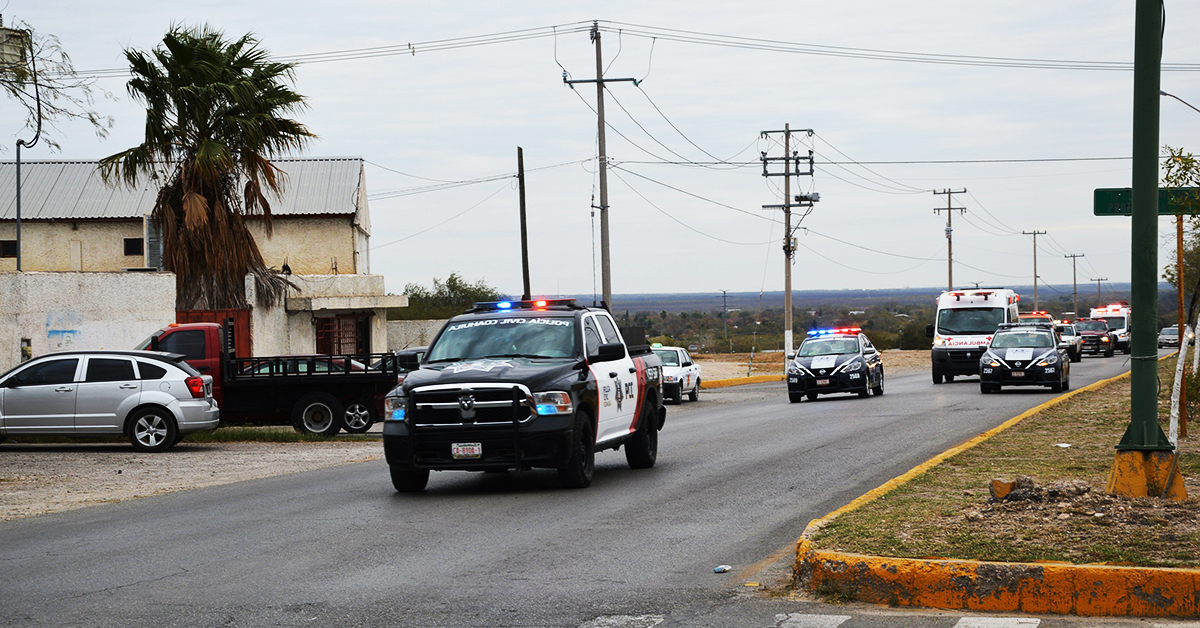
point(1117, 315)
point(963, 327)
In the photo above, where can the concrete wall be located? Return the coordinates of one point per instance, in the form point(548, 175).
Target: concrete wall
point(404, 334)
point(46, 245)
point(289, 328)
point(61, 311)
point(308, 244)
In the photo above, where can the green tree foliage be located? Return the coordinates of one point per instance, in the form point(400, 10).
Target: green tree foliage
point(447, 298)
point(1181, 169)
point(215, 116)
point(64, 95)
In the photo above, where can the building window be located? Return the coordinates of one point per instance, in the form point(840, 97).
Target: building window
point(8, 248)
point(135, 246)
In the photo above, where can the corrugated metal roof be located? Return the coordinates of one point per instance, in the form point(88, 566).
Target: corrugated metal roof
point(73, 190)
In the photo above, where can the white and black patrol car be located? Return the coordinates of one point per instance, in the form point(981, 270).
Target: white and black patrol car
point(522, 385)
point(835, 361)
point(1025, 354)
point(681, 374)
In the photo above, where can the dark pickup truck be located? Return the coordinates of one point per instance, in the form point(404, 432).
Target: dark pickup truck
point(319, 394)
point(522, 385)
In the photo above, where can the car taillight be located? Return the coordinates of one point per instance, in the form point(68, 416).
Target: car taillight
point(196, 386)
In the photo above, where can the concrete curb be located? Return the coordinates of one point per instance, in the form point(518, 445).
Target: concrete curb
point(738, 381)
point(1092, 590)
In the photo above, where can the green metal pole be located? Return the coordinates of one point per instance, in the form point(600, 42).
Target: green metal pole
point(1144, 432)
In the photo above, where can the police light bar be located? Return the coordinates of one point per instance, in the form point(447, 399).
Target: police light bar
point(834, 331)
point(534, 304)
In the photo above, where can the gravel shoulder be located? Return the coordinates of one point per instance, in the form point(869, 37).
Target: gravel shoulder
point(39, 478)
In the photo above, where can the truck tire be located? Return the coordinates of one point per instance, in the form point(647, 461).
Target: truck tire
point(358, 417)
point(642, 450)
point(1108, 353)
point(581, 463)
point(317, 413)
point(409, 480)
point(152, 430)
point(1127, 350)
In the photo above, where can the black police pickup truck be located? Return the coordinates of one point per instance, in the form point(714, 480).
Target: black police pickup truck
point(525, 384)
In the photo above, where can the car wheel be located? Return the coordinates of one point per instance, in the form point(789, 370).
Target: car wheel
point(937, 377)
point(792, 397)
point(984, 388)
point(812, 396)
point(317, 413)
point(878, 389)
point(1067, 383)
point(695, 394)
point(409, 480)
point(642, 450)
point(178, 437)
point(865, 392)
point(358, 417)
point(581, 464)
point(152, 430)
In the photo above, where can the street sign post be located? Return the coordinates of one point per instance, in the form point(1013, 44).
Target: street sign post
point(1171, 201)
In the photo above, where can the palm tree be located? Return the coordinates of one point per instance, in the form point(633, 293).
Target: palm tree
point(215, 116)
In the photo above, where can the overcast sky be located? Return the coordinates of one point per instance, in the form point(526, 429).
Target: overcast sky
point(453, 115)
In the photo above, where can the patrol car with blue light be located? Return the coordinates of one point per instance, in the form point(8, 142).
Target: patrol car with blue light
point(840, 360)
point(543, 383)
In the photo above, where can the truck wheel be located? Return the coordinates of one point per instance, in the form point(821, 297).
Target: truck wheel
point(317, 413)
point(1127, 350)
point(695, 394)
point(1077, 356)
point(152, 430)
point(937, 377)
point(1108, 353)
point(358, 417)
point(577, 472)
point(409, 480)
point(642, 450)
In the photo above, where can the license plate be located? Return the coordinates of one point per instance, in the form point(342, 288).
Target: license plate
point(1018, 373)
point(822, 382)
point(458, 451)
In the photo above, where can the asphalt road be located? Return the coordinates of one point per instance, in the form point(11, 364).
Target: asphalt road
point(739, 474)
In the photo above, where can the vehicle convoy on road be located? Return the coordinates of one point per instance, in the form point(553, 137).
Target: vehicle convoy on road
point(522, 385)
point(835, 361)
point(318, 394)
point(1025, 354)
point(681, 374)
point(1118, 316)
point(154, 399)
point(1070, 335)
point(963, 326)
point(1097, 337)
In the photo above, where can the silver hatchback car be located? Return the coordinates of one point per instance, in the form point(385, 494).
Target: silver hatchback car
point(153, 398)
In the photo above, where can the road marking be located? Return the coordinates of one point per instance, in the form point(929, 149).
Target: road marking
point(802, 620)
point(624, 621)
point(996, 622)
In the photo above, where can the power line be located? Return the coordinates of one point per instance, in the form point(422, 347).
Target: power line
point(685, 225)
point(447, 185)
point(443, 222)
point(619, 166)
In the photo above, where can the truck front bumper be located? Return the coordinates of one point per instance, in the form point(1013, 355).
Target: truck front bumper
point(545, 442)
point(957, 360)
point(807, 384)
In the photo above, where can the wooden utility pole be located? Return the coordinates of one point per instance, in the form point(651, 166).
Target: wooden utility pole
point(1074, 284)
point(805, 201)
point(1035, 233)
point(524, 235)
point(1099, 299)
point(950, 209)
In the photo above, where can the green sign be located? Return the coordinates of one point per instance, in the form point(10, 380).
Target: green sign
point(1171, 201)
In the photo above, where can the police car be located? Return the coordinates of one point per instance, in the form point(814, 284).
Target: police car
point(1025, 355)
point(835, 361)
point(681, 374)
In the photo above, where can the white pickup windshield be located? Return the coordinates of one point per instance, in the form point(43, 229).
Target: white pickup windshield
point(509, 337)
point(973, 321)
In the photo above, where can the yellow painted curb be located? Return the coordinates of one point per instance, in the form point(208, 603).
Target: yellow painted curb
point(1094, 590)
point(738, 381)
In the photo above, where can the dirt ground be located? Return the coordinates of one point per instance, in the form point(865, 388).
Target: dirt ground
point(43, 478)
point(726, 366)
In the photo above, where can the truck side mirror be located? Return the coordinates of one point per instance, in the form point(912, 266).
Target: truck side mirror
point(929, 330)
point(609, 352)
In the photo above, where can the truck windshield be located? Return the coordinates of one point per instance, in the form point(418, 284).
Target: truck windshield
point(974, 321)
point(1091, 326)
point(516, 337)
point(1114, 322)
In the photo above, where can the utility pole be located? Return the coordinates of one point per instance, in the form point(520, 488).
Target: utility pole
point(1099, 299)
point(805, 200)
point(524, 236)
point(605, 266)
point(950, 209)
point(725, 306)
point(1074, 283)
point(1035, 234)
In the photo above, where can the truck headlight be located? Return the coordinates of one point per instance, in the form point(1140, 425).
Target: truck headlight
point(394, 408)
point(1104, 339)
point(937, 342)
point(549, 403)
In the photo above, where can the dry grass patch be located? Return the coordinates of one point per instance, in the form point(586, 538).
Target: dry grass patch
point(948, 512)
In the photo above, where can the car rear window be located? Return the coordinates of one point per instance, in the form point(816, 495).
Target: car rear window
point(109, 370)
point(151, 371)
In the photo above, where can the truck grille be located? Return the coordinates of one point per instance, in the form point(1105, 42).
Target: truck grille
point(468, 405)
point(965, 356)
